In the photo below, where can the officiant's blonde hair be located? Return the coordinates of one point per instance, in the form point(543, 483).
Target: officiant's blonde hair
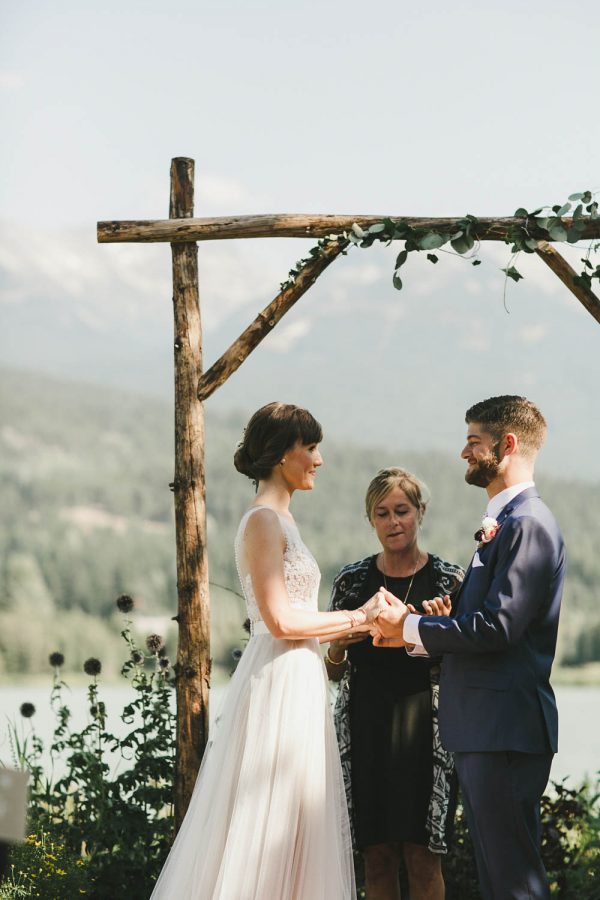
point(388, 479)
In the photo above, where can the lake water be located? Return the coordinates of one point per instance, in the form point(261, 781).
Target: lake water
point(579, 740)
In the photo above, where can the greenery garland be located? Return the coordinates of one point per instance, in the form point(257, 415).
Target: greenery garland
point(547, 220)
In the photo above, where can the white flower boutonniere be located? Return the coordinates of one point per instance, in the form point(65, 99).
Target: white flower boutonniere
point(489, 529)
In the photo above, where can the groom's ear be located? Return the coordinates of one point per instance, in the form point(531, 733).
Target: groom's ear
point(511, 443)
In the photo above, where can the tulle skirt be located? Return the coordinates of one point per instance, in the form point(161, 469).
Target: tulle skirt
point(268, 817)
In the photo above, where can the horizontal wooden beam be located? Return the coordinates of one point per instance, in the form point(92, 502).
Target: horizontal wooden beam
point(300, 226)
point(567, 274)
point(266, 320)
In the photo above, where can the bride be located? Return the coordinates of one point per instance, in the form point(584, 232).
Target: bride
point(268, 818)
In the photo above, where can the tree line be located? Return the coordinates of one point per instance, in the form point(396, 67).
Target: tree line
point(87, 515)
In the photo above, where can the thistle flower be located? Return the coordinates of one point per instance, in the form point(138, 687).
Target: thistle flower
point(164, 662)
point(56, 659)
point(137, 657)
point(125, 603)
point(246, 626)
point(236, 654)
point(27, 710)
point(154, 642)
point(92, 666)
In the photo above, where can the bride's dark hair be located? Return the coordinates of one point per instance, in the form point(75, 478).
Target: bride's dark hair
point(270, 433)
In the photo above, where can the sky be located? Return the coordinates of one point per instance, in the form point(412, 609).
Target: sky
point(387, 108)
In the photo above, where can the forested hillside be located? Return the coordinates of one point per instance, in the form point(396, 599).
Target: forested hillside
point(86, 514)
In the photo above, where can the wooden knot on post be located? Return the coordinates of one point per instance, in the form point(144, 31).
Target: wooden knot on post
point(182, 484)
point(186, 590)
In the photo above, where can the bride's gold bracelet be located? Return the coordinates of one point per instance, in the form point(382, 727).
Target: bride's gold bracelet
point(332, 662)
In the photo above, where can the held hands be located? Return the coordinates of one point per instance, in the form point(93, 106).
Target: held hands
point(388, 628)
point(374, 607)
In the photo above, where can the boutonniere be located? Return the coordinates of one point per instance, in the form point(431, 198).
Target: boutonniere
point(488, 531)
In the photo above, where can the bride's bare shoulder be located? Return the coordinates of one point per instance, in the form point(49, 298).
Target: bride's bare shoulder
point(262, 524)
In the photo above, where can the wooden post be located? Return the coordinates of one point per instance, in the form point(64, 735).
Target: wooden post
point(193, 653)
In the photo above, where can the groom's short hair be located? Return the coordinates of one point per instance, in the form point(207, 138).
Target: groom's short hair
point(508, 413)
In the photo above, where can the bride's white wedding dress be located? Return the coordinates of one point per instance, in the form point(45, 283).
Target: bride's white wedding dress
point(268, 817)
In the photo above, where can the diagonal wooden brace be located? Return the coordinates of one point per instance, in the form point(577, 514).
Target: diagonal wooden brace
point(265, 321)
point(567, 275)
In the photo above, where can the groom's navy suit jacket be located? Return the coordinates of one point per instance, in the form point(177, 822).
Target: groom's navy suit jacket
point(499, 645)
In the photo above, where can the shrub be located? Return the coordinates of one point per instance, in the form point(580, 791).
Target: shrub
point(116, 828)
point(42, 867)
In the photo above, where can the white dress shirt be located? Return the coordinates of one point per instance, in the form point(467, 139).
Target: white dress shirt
point(494, 508)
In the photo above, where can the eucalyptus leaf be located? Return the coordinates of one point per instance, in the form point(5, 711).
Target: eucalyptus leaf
point(401, 259)
point(531, 244)
point(476, 262)
point(575, 197)
point(521, 213)
point(558, 232)
point(563, 210)
point(583, 280)
point(513, 273)
point(432, 241)
point(586, 197)
point(578, 211)
point(463, 244)
point(575, 232)
point(377, 228)
point(542, 222)
point(358, 231)
point(432, 257)
point(397, 282)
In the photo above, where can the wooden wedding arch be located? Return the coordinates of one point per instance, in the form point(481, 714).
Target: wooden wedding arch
point(193, 385)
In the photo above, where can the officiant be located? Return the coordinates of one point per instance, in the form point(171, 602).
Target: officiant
point(386, 710)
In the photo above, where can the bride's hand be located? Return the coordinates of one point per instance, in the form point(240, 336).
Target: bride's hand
point(373, 607)
point(439, 606)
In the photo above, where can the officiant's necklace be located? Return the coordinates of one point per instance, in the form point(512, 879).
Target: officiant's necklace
point(412, 577)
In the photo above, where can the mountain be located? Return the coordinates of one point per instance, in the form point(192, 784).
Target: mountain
point(87, 514)
point(375, 365)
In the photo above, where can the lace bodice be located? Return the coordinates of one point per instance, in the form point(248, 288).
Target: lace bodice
point(302, 576)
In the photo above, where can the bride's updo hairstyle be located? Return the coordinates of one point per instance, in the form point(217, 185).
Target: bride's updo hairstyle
point(270, 433)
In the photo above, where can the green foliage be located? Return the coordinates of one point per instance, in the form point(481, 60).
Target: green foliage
point(545, 223)
point(511, 272)
point(120, 823)
point(45, 868)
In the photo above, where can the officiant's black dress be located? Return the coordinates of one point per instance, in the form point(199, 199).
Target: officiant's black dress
point(385, 723)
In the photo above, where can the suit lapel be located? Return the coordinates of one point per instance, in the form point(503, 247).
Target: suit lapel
point(503, 515)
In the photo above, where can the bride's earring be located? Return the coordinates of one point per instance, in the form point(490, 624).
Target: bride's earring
point(282, 461)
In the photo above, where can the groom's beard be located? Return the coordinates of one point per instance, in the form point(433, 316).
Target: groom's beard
point(485, 469)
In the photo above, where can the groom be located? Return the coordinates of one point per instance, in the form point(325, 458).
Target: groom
point(497, 710)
